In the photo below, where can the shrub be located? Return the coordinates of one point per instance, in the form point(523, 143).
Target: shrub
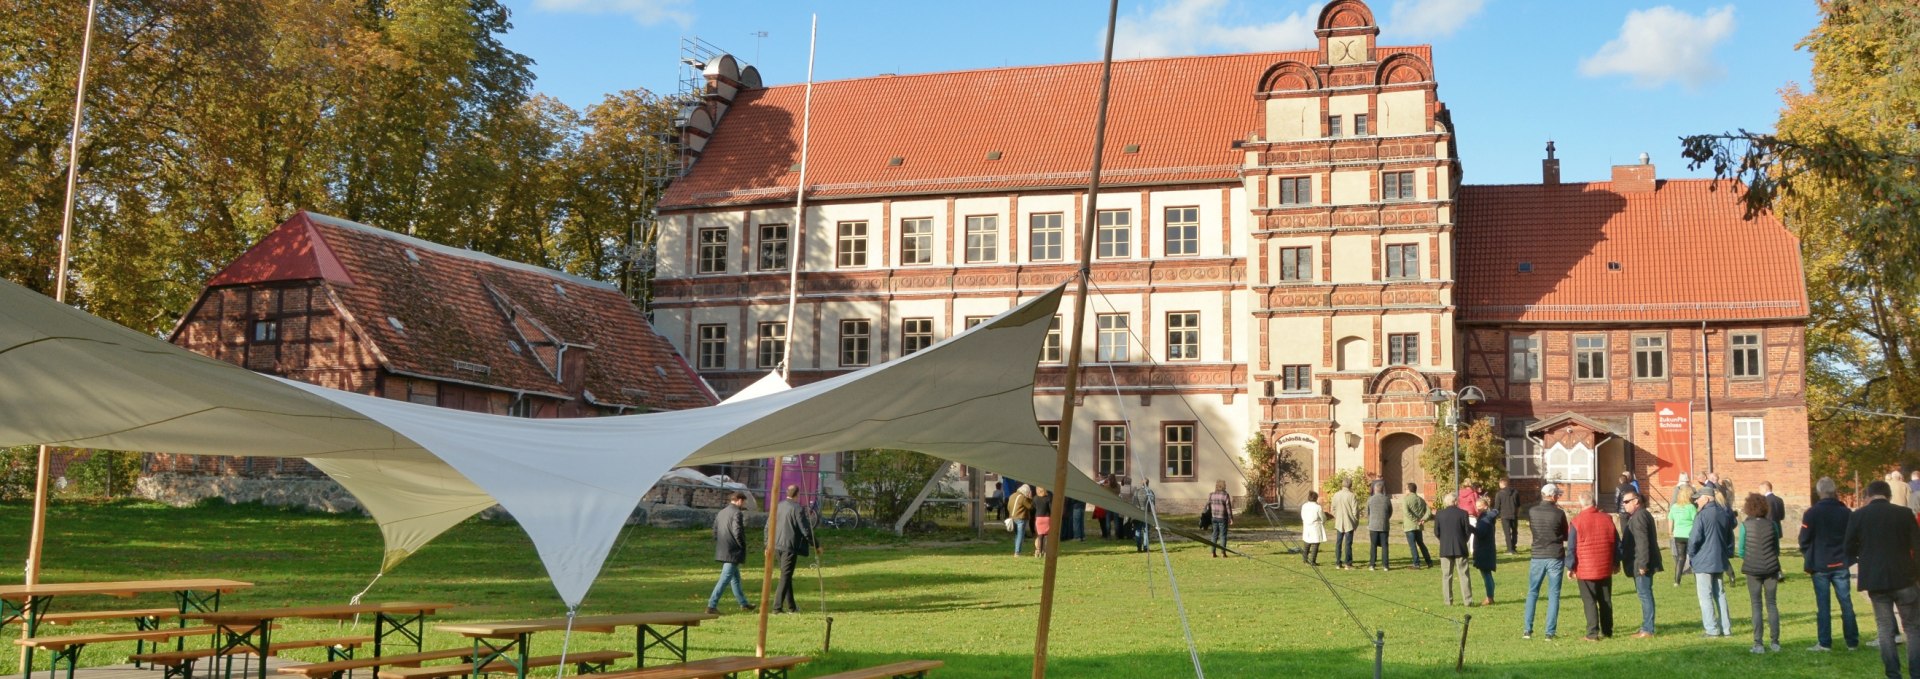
point(884, 482)
point(1266, 471)
point(104, 473)
point(1483, 456)
point(1362, 486)
point(16, 472)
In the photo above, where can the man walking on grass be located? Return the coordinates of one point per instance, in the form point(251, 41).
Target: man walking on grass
point(1591, 561)
point(1823, 535)
point(1549, 528)
point(1506, 502)
point(1640, 557)
point(730, 549)
point(1451, 525)
point(1884, 539)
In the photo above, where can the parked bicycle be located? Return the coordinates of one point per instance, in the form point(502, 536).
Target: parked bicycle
point(836, 511)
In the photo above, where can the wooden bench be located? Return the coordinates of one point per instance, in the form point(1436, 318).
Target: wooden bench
point(905, 669)
point(583, 662)
point(67, 648)
point(180, 663)
point(774, 667)
point(79, 616)
point(335, 669)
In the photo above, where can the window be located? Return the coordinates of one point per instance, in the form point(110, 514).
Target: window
point(1050, 349)
point(521, 407)
point(423, 392)
point(915, 334)
point(1115, 231)
point(1333, 127)
point(1112, 347)
point(1403, 260)
point(1296, 190)
point(1590, 357)
point(916, 241)
point(1183, 231)
point(1296, 379)
point(1176, 450)
point(713, 347)
point(1403, 348)
point(1568, 463)
point(853, 245)
point(1749, 438)
point(773, 247)
point(713, 251)
point(1112, 458)
point(265, 332)
point(1745, 347)
point(1359, 124)
point(1051, 430)
point(983, 238)
point(1396, 186)
point(1523, 358)
point(1183, 336)
point(1046, 237)
point(856, 342)
point(1523, 455)
point(772, 344)
point(1296, 264)
point(976, 320)
point(1649, 357)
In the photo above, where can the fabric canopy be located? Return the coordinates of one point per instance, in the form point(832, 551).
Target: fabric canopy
point(71, 379)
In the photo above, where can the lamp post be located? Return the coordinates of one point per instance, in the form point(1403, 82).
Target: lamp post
point(1470, 395)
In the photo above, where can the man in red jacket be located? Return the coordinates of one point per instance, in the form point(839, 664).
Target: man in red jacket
point(1591, 561)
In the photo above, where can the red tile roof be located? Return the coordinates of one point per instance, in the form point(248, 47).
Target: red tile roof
point(1684, 254)
point(1183, 112)
point(440, 296)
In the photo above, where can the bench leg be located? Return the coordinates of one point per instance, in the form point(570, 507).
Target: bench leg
point(69, 655)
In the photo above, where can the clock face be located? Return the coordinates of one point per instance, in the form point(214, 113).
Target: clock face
point(1351, 50)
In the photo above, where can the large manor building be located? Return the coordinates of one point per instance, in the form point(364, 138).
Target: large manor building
point(1284, 246)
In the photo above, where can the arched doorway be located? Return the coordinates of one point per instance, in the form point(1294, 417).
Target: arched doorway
point(1293, 493)
point(1400, 461)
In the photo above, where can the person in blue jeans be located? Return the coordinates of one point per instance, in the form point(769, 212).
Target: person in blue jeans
point(730, 549)
point(1710, 549)
point(1823, 535)
point(1640, 555)
point(1549, 565)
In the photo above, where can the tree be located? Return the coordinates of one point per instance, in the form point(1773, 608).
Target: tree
point(1265, 471)
point(1843, 171)
point(886, 481)
point(1483, 456)
point(1362, 484)
point(616, 175)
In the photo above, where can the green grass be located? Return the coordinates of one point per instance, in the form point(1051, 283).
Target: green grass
point(950, 597)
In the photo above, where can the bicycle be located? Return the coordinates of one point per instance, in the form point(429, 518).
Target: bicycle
point(844, 514)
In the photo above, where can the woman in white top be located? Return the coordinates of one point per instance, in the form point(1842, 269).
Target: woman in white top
point(1313, 528)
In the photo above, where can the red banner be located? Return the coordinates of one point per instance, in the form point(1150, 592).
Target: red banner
point(1673, 439)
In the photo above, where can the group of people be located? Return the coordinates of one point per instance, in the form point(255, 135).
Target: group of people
point(1027, 513)
point(1379, 512)
point(793, 538)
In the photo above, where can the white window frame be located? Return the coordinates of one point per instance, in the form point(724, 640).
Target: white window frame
point(1186, 221)
point(1749, 438)
point(1046, 237)
point(772, 258)
point(770, 344)
point(1111, 342)
point(1111, 454)
point(1523, 358)
point(712, 345)
point(983, 239)
point(1522, 449)
point(1756, 362)
point(1655, 345)
point(852, 252)
point(919, 232)
point(1183, 339)
point(1599, 353)
point(1113, 236)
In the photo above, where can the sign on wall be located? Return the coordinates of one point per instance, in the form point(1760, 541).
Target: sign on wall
point(1673, 439)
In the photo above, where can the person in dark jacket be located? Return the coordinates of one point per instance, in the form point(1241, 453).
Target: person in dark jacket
point(1506, 505)
point(1776, 507)
point(1640, 557)
point(1549, 528)
point(1453, 528)
point(1219, 510)
point(1620, 490)
point(792, 541)
point(1486, 557)
point(730, 549)
point(1885, 541)
point(1823, 534)
point(1760, 561)
point(1379, 521)
point(1709, 549)
point(1593, 549)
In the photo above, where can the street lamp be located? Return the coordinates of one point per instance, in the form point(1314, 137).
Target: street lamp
point(1470, 395)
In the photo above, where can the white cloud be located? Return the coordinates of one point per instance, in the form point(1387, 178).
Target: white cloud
point(647, 12)
point(1662, 45)
point(1432, 18)
point(1180, 27)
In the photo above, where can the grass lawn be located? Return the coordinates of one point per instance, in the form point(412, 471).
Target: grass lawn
point(964, 601)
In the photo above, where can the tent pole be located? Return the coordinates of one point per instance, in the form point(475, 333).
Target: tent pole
point(43, 462)
point(1056, 510)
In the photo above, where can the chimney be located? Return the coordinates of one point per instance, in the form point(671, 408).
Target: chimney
point(1550, 168)
point(1634, 178)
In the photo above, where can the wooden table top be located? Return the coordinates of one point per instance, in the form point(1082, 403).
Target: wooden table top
point(584, 623)
point(120, 589)
point(328, 612)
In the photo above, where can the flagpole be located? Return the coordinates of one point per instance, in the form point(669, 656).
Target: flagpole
point(1057, 508)
point(44, 462)
point(794, 242)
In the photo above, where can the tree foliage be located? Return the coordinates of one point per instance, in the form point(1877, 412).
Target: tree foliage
point(886, 481)
point(1843, 171)
point(210, 121)
point(1483, 456)
point(1362, 485)
point(1265, 471)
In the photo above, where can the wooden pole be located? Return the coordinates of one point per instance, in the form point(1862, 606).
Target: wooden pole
point(1057, 508)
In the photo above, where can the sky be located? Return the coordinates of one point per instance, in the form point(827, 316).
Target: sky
point(1606, 80)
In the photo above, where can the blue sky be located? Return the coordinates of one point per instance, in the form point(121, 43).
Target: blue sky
point(1605, 79)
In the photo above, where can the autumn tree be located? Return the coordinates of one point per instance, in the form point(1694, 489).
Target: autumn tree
point(1483, 456)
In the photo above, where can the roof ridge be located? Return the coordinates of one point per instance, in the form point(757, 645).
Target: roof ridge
point(1028, 67)
point(452, 251)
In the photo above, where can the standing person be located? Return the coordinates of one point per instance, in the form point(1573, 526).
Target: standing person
point(1595, 547)
point(1776, 507)
point(1413, 517)
point(1486, 557)
point(1076, 520)
point(1681, 516)
point(1884, 539)
point(1823, 534)
point(1042, 520)
point(1894, 479)
point(1313, 529)
point(1913, 486)
point(794, 540)
point(1453, 527)
point(1640, 557)
point(1709, 548)
point(1020, 509)
point(1346, 521)
point(1469, 495)
point(1759, 543)
point(1220, 508)
point(1506, 504)
point(1123, 528)
point(730, 549)
point(1379, 521)
point(1143, 498)
point(1620, 490)
point(1109, 521)
point(1683, 491)
point(1549, 528)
